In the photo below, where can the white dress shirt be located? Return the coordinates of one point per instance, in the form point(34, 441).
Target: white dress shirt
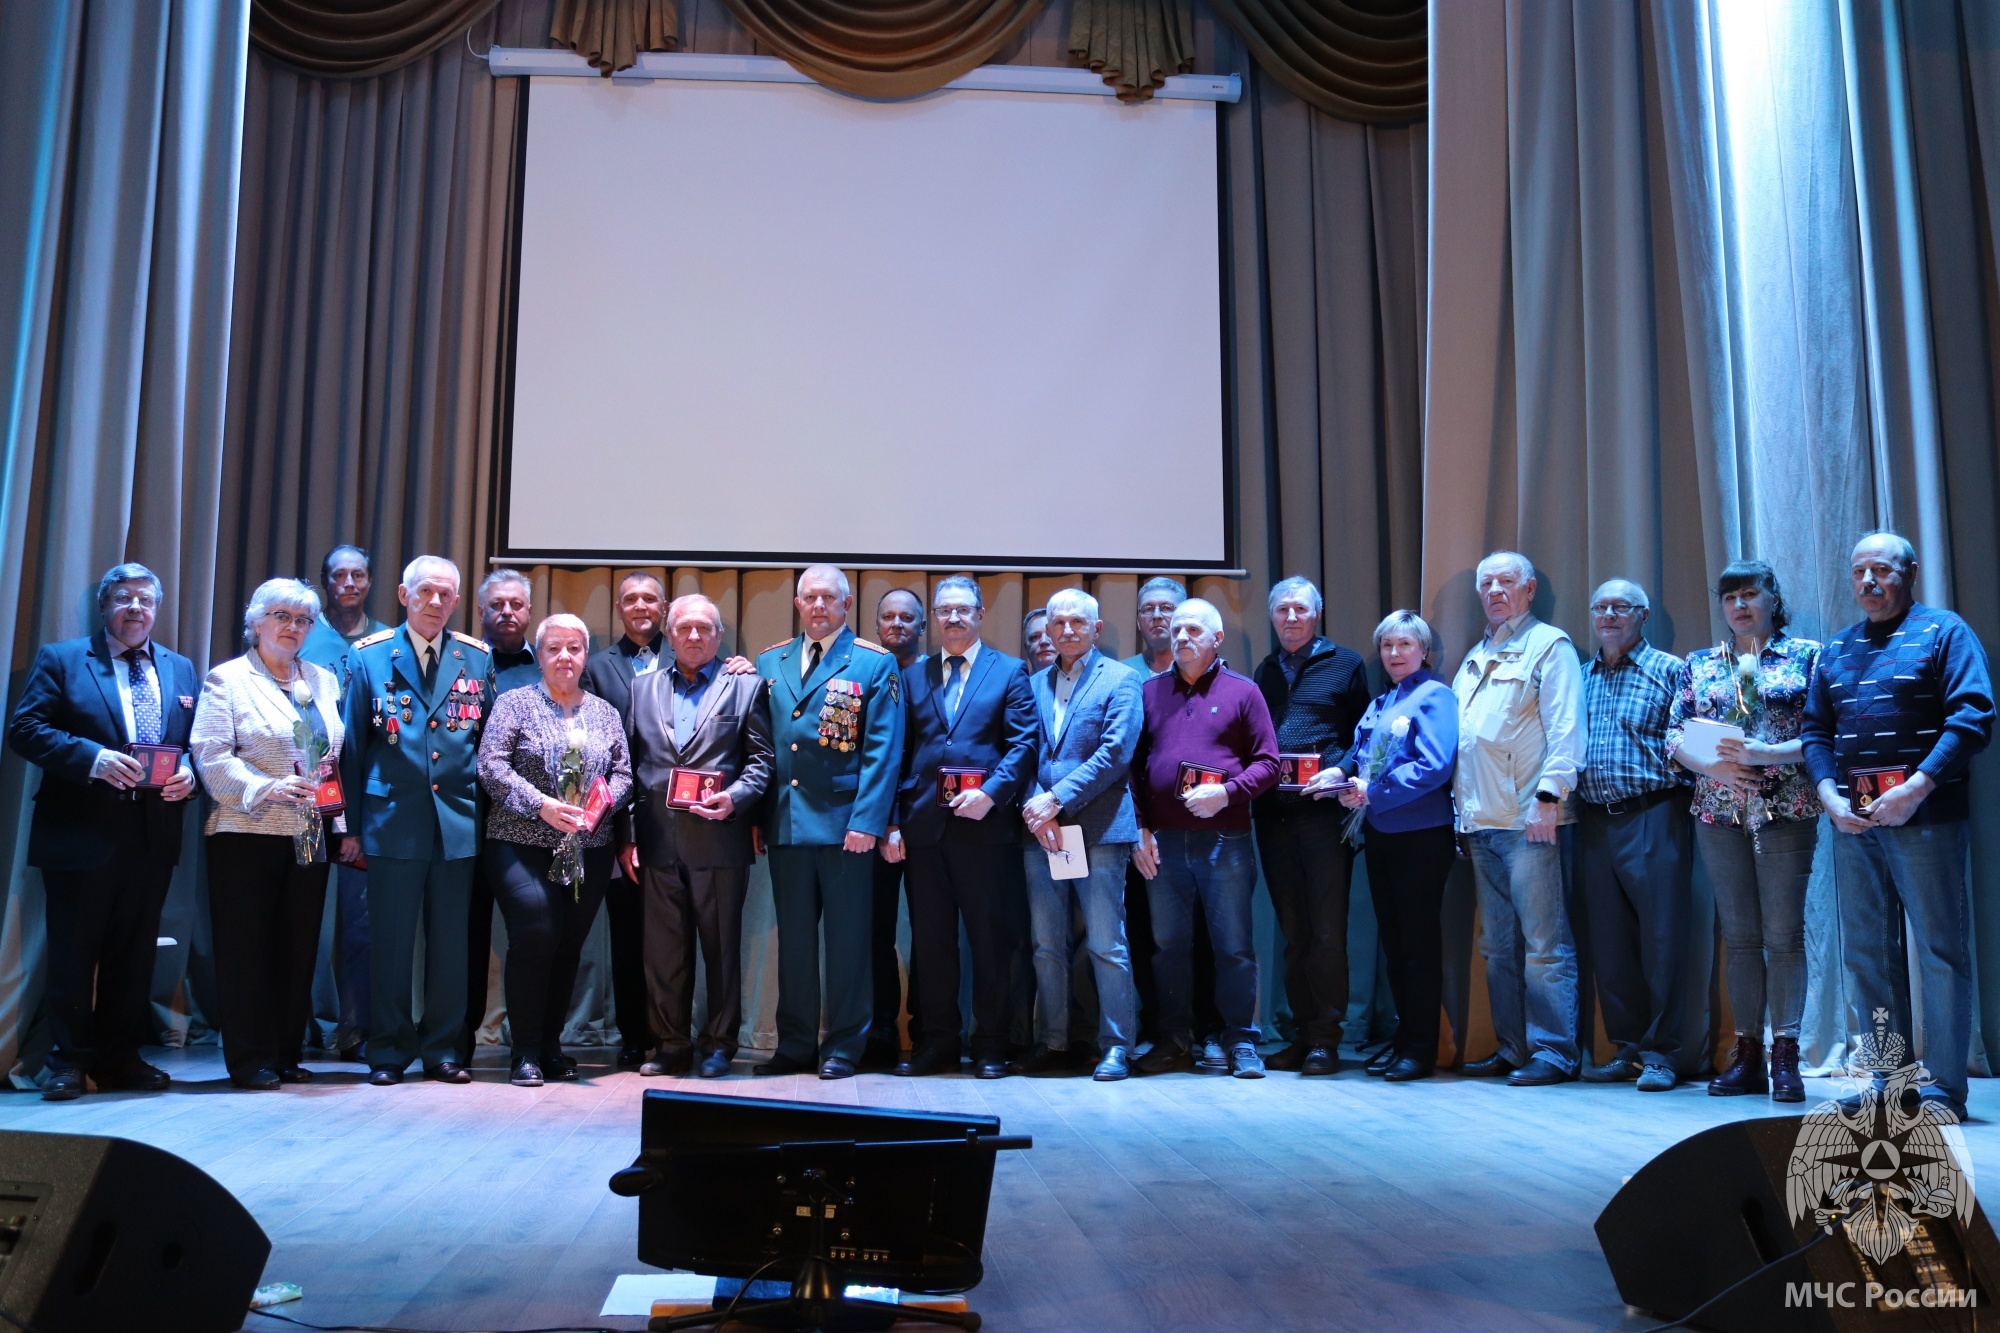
point(806, 663)
point(433, 646)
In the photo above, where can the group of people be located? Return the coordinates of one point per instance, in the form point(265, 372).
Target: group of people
point(1094, 828)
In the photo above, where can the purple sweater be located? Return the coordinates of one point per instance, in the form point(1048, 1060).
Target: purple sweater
point(1221, 721)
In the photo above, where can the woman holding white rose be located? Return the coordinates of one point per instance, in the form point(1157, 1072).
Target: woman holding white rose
point(1756, 820)
point(265, 732)
point(1397, 780)
point(553, 758)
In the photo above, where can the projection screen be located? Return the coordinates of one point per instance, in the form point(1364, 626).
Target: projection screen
point(769, 323)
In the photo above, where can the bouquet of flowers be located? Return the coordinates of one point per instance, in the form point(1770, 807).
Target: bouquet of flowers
point(1382, 745)
point(309, 843)
point(568, 865)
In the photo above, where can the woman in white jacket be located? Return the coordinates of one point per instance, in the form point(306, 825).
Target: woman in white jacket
point(266, 742)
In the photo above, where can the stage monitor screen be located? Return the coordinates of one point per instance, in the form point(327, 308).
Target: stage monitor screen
point(764, 322)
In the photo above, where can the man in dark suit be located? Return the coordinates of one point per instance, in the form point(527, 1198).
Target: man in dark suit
point(837, 738)
point(642, 602)
point(692, 860)
point(970, 755)
point(899, 627)
point(104, 837)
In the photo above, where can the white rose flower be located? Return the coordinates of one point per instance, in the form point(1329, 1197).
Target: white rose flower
point(302, 692)
point(1746, 664)
point(1400, 727)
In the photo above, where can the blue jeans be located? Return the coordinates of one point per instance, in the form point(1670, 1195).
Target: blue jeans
point(1521, 906)
point(1218, 872)
point(1918, 871)
point(1101, 895)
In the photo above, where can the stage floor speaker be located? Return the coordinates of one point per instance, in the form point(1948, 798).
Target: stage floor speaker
point(100, 1233)
point(1711, 1210)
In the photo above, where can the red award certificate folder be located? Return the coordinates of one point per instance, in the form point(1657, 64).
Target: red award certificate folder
point(689, 787)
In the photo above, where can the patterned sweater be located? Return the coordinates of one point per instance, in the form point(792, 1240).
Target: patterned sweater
point(1913, 693)
point(521, 752)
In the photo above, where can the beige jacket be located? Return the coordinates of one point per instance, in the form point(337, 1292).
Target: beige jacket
point(242, 744)
point(1520, 726)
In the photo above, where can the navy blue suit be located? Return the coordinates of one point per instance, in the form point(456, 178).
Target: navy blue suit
point(960, 867)
point(106, 856)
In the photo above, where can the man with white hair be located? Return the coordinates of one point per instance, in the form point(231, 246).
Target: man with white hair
point(415, 701)
point(1206, 751)
point(1521, 740)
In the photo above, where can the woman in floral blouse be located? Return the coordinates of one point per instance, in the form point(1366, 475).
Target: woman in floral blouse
point(548, 845)
point(1757, 820)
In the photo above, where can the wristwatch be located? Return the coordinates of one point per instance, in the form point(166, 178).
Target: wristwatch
point(1548, 798)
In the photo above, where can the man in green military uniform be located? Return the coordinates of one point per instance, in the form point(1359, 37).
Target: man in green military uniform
point(415, 700)
point(837, 729)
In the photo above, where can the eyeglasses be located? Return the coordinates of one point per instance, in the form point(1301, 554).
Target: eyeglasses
point(125, 601)
point(955, 613)
point(286, 618)
point(1619, 609)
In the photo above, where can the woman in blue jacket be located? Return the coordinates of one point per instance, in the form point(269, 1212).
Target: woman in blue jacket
point(1397, 780)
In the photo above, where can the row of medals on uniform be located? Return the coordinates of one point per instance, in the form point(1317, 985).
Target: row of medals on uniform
point(840, 716)
point(394, 712)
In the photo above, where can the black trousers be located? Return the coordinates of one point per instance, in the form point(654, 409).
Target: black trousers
point(1637, 868)
point(1406, 877)
point(685, 905)
point(264, 915)
point(624, 905)
point(888, 979)
point(1309, 868)
point(546, 926)
point(103, 924)
point(983, 884)
point(478, 957)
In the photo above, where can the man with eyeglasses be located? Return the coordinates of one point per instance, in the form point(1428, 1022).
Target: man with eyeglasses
point(1635, 846)
point(101, 716)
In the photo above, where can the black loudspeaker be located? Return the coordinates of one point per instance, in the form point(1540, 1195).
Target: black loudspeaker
point(1711, 1210)
point(99, 1234)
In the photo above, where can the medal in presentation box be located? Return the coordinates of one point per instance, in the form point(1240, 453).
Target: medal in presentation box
point(1195, 775)
point(1870, 785)
point(952, 781)
point(161, 763)
point(689, 787)
point(1296, 770)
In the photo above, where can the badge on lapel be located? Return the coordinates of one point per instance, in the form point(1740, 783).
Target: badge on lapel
point(187, 700)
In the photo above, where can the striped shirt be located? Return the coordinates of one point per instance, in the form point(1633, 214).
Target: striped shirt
point(1626, 709)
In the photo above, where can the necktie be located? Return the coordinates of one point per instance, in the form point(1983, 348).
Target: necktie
point(812, 659)
point(146, 723)
point(430, 669)
point(954, 685)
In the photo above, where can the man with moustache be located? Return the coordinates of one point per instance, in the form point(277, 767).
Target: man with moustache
point(105, 840)
point(899, 627)
point(1901, 703)
point(968, 756)
point(837, 736)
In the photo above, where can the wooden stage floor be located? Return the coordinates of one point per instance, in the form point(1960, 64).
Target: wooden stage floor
point(1178, 1202)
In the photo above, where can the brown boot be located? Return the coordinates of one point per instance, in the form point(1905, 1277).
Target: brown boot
point(1786, 1085)
point(1745, 1072)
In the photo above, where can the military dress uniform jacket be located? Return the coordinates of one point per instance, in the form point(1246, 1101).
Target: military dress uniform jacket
point(410, 769)
point(838, 742)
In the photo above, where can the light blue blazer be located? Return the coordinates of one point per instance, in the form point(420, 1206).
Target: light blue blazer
point(1085, 763)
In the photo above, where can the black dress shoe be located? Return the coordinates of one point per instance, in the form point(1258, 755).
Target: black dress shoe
point(1319, 1060)
point(558, 1068)
point(1164, 1058)
point(1378, 1063)
point(1537, 1073)
point(448, 1071)
point(1405, 1068)
point(384, 1078)
point(1116, 1064)
point(630, 1057)
point(1495, 1065)
point(138, 1076)
point(1615, 1070)
point(527, 1074)
point(922, 1063)
point(64, 1085)
point(781, 1064)
point(990, 1067)
point(714, 1065)
point(836, 1066)
point(1044, 1063)
point(257, 1080)
point(676, 1065)
point(295, 1074)
point(1287, 1060)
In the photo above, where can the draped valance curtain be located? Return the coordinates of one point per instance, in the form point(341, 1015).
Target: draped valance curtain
point(1360, 60)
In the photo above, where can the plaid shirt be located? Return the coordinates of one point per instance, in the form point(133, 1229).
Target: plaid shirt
point(1627, 707)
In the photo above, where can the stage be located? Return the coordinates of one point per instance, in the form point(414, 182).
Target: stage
point(1177, 1202)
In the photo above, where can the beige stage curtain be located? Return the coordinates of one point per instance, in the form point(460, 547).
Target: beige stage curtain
point(1361, 60)
point(611, 33)
point(357, 39)
point(892, 48)
point(1135, 44)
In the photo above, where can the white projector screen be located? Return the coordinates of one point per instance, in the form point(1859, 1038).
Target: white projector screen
point(769, 323)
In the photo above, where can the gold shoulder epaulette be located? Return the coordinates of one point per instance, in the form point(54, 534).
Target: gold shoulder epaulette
point(773, 648)
point(480, 644)
point(860, 642)
point(380, 636)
